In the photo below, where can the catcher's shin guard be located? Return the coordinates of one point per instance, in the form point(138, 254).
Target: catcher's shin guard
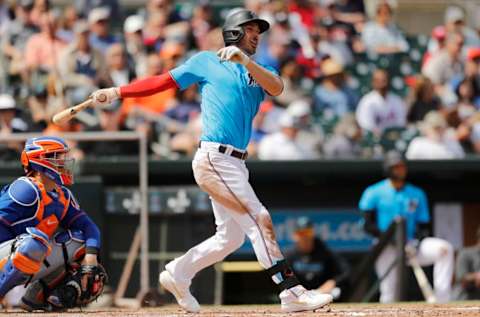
point(282, 273)
point(29, 251)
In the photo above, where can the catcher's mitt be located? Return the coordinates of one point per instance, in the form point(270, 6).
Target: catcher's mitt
point(71, 294)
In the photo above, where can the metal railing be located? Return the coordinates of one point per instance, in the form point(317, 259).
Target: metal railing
point(395, 235)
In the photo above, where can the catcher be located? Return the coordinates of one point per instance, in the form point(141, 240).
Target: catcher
point(59, 268)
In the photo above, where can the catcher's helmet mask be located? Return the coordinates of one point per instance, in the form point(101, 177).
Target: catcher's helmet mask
point(232, 30)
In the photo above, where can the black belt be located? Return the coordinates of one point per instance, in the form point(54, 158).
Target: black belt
point(237, 154)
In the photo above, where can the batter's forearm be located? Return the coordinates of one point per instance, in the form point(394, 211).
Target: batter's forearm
point(270, 82)
point(148, 86)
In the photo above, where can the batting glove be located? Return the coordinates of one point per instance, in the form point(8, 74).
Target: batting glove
point(233, 54)
point(105, 96)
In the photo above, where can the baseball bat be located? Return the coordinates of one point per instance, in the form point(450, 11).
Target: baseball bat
point(422, 280)
point(67, 114)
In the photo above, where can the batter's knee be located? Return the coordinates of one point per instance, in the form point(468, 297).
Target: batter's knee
point(230, 242)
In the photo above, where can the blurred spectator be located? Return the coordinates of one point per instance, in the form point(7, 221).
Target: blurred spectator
point(472, 73)
point(332, 95)
point(186, 105)
point(310, 135)
point(214, 40)
point(67, 22)
point(171, 52)
point(15, 38)
point(81, 66)
point(350, 13)
point(136, 50)
point(166, 7)
point(438, 36)
point(40, 7)
point(100, 36)
point(455, 23)
point(43, 50)
point(393, 197)
point(465, 95)
point(467, 272)
point(436, 141)
point(5, 18)
point(423, 99)
point(283, 145)
point(293, 83)
point(475, 135)
point(345, 141)
point(144, 108)
point(201, 23)
point(276, 51)
point(313, 263)
point(118, 70)
point(305, 10)
point(9, 124)
point(83, 7)
point(444, 65)
point(380, 109)
point(328, 46)
point(154, 31)
point(382, 35)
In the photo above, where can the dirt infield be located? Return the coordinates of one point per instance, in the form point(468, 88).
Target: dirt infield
point(463, 309)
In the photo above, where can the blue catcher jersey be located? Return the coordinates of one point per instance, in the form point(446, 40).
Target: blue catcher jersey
point(410, 202)
point(230, 97)
point(25, 203)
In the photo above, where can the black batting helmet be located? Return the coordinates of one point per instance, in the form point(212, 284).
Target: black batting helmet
point(232, 30)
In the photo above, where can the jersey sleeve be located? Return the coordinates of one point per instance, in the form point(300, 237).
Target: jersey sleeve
point(422, 215)
point(76, 218)
point(368, 201)
point(192, 71)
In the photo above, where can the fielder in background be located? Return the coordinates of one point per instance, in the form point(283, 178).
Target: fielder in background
point(393, 197)
point(232, 87)
point(61, 270)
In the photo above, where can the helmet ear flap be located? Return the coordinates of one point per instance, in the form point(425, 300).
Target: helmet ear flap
point(25, 162)
point(233, 35)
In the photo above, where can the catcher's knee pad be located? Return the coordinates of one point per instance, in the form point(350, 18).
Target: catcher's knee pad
point(67, 247)
point(29, 251)
point(284, 274)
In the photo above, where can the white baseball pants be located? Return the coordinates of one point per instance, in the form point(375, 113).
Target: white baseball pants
point(431, 251)
point(237, 211)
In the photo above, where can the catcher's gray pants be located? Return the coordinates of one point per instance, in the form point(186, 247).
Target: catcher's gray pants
point(65, 246)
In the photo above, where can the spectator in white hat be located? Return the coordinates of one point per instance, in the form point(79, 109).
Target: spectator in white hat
point(382, 35)
point(284, 145)
point(436, 141)
point(100, 35)
point(134, 45)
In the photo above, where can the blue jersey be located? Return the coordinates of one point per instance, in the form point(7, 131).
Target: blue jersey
point(24, 203)
point(410, 202)
point(230, 97)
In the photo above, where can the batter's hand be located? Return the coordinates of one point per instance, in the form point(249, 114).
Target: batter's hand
point(105, 96)
point(233, 54)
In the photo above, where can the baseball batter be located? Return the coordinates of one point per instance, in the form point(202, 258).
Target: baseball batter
point(59, 271)
point(232, 87)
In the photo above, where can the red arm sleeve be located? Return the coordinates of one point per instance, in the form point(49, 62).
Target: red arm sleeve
point(148, 86)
